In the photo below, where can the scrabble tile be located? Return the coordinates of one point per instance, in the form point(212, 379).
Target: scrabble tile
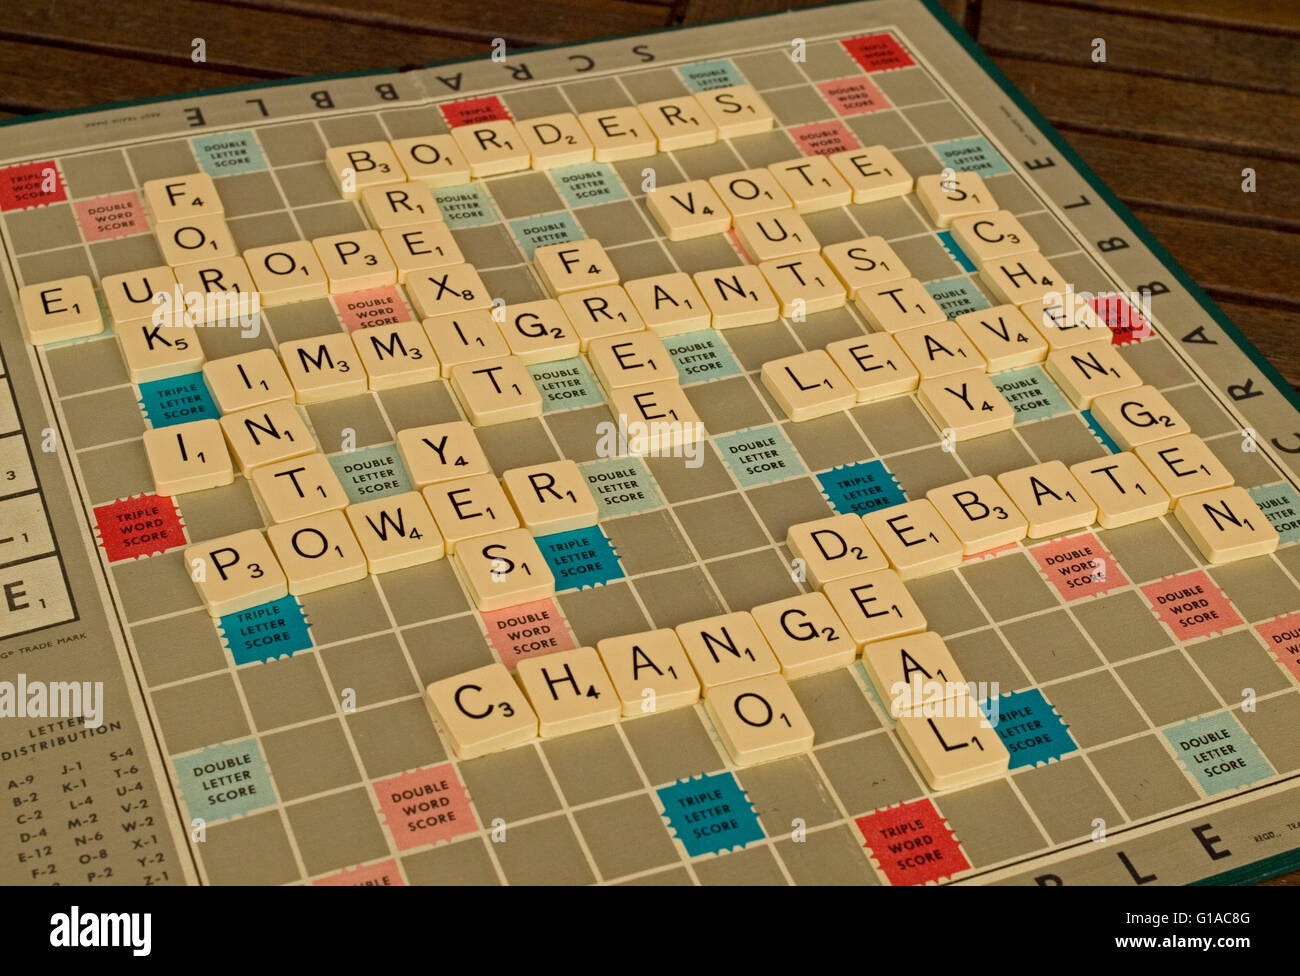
point(188, 457)
point(556, 140)
point(726, 648)
point(966, 404)
point(895, 306)
point(947, 196)
point(1004, 337)
point(441, 452)
point(265, 434)
point(874, 606)
point(298, 488)
point(323, 368)
point(130, 296)
point(469, 507)
point(1122, 488)
point(286, 273)
point(503, 570)
point(873, 173)
point(496, 391)
point(317, 552)
point(182, 198)
point(235, 572)
point(396, 355)
point(991, 236)
point(366, 164)
point(750, 192)
point(834, 548)
point(435, 161)
point(808, 385)
point(980, 513)
point(451, 290)
point(1022, 278)
point(678, 123)
point(1065, 328)
point(356, 261)
point(631, 360)
point(249, 379)
point(954, 750)
point(1184, 465)
point(395, 532)
point(864, 262)
point(574, 266)
point(539, 332)
point(914, 538)
point(804, 285)
point(597, 313)
point(812, 183)
point(737, 296)
point(195, 239)
point(650, 672)
point(551, 497)
point(1085, 373)
point(781, 234)
point(737, 110)
point(940, 349)
point(1050, 497)
point(759, 720)
point(669, 304)
point(226, 287)
point(910, 671)
point(874, 365)
point(805, 635)
point(569, 691)
point(154, 352)
point(1138, 416)
point(688, 210)
point(482, 711)
point(60, 309)
point(619, 133)
point(1226, 525)
point(400, 205)
point(492, 148)
point(469, 337)
point(421, 247)
point(658, 417)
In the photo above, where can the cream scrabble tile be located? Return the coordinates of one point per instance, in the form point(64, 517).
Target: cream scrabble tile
point(947, 196)
point(469, 507)
point(874, 365)
point(940, 349)
point(804, 285)
point(658, 417)
point(539, 332)
point(1122, 488)
point(966, 404)
point(450, 290)
point(482, 711)
point(650, 672)
point(355, 262)
point(737, 296)
point(864, 262)
point(759, 720)
point(551, 497)
point(503, 570)
point(469, 337)
point(130, 296)
point(834, 548)
point(914, 538)
point(812, 183)
point(155, 352)
point(62, 309)
point(618, 134)
point(688, 210)
point(441, 452)
point(895, 306)
point(435, 161)
point(1065, 328)
point(909, 672)
point(598, 313)
point(317, 552)
point(805, 634)
point(298, 488)
point(266, 433)
point(989, 237)
point(631, 360)
point(808, 385)
point(669, 304)
point(1050, 497)
point(235, 572)
point(555, 140)
point(873, 173)
point(1091, 371)
point(395, 532)
point(400, 205)
point(225, 286)
point(1138, 416)
point(396, 355)
point(1184, 465)
point(569, 691)
point(421, 247)
point(285, 273)
point(1004, 337)
point(249, 379)
point(737, 110)
point(182, 198)
point(573, 266)
point(496, 391)
point(196, 239)
point(1226, 524)
point(323, 368)
point(492, 148)
point(979, 513)
point(874, 606)
point(953, 750)
point(781, 234)
point(750, 192)
point(188, 457)
point(678, 123)
point(726, 648)
point(1023, 278)
point(366, 164)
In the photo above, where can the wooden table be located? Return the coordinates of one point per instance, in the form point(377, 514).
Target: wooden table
point(1192, 93)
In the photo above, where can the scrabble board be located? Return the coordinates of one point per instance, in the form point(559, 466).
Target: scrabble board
point(1129, 668)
